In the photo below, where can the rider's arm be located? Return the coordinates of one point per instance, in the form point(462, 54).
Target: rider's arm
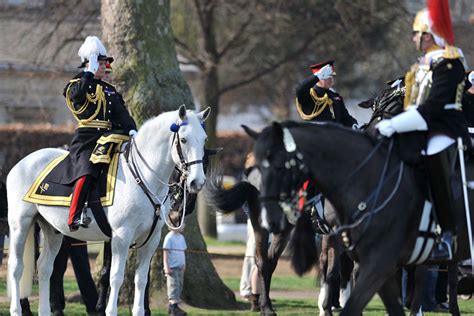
point(120, 115)
point(346, 118)
point(78, 88)
point(302, 91)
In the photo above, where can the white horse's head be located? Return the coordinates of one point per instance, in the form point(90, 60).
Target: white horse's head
point(188, 146)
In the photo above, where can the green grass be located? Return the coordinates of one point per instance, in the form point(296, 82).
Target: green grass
point(219, 243)
point(282, 306)
point(280, 283)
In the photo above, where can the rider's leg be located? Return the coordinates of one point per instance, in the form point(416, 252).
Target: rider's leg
point(439, 166)
point(79, 198)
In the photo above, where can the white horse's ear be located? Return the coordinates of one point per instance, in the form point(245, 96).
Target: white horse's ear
point(203, 115)
point(182, 112)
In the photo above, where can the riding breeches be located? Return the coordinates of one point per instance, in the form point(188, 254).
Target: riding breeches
point(79, 197)
point(440, 168)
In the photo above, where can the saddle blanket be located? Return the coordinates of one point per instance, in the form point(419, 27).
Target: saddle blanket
point(44, 191)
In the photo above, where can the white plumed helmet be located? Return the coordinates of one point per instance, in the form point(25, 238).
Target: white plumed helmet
point(91, 46)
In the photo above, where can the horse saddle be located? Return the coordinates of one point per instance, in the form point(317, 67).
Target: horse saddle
point(46, 191)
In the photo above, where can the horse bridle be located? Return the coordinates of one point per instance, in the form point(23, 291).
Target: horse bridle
point(298, 170)
point(135, 171)
point(296, 161)
point(184, 164)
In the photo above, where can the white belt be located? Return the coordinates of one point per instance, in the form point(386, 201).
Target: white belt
point(453, 106)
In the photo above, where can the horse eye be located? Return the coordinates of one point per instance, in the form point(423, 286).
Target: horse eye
point(183, 140)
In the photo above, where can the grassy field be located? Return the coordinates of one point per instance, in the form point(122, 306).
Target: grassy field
point(282, 305)
point(291, 295)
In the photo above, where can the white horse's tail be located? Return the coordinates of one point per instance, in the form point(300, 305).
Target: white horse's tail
point(26, 281)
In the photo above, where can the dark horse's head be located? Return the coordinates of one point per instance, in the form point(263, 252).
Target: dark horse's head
point(178, 203)
point(283, 171)
point(385, 105)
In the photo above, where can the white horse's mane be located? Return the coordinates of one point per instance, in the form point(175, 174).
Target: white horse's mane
point(164, 120)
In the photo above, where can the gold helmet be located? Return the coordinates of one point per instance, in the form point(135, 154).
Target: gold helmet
point(436, 20)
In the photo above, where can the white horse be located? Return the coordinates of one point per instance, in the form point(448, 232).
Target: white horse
point(130, 216)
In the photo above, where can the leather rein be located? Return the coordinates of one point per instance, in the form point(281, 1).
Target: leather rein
point(135, 171)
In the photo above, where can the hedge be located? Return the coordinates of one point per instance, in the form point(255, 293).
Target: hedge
point(19, 140)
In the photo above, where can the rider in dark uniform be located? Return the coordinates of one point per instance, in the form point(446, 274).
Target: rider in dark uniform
point(468, 102)
point(316, 101)
point(96, 106)
point(434, 88)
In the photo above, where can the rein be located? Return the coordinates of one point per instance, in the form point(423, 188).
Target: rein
point(135, 171)
point(132, 166)
point(372, 197)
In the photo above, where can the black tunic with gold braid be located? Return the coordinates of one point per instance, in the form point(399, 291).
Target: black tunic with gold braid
point(318, 104)
point(97, 107)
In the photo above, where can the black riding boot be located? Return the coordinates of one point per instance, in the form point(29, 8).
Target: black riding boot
point(440, 169)
point(81, 191)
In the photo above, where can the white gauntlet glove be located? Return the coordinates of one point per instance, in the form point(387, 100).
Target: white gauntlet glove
point(133, 133)
point(408, 121)
point(324, 73)
point(385, 128)
point(93, 64)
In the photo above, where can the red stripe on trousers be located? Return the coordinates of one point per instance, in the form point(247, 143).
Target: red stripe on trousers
point(75, 198)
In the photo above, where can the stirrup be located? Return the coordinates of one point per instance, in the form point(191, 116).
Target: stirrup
point(84, 220)
point(442, 251)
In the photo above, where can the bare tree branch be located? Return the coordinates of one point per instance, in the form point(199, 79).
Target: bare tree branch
point(235, 38)
point(190, 54)
point(269, 69)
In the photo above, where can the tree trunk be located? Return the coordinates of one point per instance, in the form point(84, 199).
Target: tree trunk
point(207, 220)
point(138, 35)
point(210, 73)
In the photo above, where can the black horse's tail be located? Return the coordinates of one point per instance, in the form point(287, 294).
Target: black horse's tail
point(302, 245)
point(227, 200)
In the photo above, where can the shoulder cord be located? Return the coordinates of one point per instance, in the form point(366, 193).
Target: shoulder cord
point(99, 98)
point(320, 105)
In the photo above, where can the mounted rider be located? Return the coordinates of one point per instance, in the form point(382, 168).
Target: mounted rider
point(434, 89)
point(468, 102)
point(317, 101)
point(96, 106)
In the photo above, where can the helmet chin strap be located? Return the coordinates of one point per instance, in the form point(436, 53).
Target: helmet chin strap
point(419, 43)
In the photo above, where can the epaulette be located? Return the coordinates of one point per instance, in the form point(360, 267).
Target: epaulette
point(74, 80)
point(451, 52)
point(108, 83)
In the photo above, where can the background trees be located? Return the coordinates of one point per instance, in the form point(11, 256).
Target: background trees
point(267, 45)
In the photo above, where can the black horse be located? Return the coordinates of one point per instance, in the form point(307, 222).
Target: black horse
point(376, 196)
point(387, 104)
point(227, 200)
